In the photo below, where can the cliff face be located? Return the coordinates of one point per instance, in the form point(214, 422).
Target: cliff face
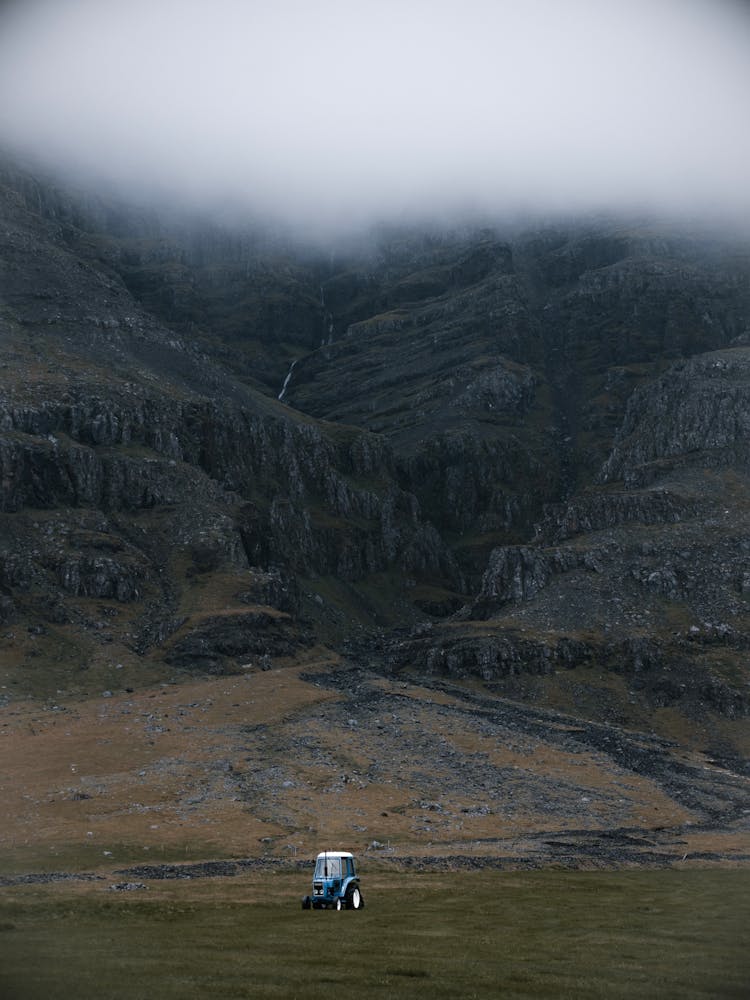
point(533, 443)
point(144, 484)
point(643, 575)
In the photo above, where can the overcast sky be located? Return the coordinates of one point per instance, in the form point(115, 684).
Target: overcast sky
point(331, 110)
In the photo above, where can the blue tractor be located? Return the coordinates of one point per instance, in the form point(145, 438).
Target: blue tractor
point(335, 883)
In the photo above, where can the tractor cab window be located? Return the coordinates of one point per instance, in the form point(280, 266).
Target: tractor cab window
point(328, 868)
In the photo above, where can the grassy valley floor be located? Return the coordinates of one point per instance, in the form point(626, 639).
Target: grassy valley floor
point(666, 934)
point(157, 842)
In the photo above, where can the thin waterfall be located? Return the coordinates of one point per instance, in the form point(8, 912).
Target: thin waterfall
point(286, 380)
point(327, 320)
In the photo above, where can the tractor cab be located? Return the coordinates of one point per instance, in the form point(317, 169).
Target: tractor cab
point(335, 883)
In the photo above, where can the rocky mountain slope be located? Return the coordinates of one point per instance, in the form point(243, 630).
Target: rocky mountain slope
point(512, 458)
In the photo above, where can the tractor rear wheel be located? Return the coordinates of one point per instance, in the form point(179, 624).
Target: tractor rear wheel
point(354, 899)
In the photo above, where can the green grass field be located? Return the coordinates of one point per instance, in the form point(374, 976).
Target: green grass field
point(681, 934)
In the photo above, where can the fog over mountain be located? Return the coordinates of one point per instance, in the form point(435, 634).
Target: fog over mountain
point(336, 112)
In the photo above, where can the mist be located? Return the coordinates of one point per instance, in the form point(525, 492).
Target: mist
point(337, 112)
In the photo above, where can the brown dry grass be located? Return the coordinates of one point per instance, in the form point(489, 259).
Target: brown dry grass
point(139, 757)
point(253, 765)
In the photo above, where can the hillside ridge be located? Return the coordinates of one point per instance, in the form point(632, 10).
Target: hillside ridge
point(513, 460)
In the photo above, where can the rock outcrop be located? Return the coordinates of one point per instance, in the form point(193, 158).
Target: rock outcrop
point(697, 412)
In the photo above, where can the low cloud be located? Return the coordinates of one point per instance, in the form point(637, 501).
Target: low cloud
point(339, 111)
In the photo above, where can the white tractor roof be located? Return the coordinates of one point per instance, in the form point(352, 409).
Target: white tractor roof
point(335, 854)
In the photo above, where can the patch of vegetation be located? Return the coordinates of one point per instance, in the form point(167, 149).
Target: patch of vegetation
point(541, 934)
point(88, 857)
